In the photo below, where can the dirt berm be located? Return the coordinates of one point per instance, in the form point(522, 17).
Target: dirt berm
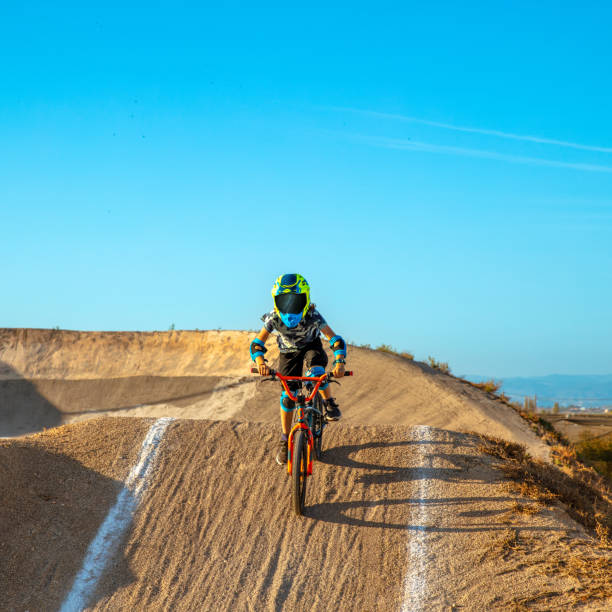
point(53, 377)
point(403, 512)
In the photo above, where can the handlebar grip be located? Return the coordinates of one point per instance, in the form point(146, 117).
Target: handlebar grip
point(349, 373)
point(256, 371)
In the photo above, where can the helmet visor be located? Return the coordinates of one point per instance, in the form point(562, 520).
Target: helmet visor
point(291, 303)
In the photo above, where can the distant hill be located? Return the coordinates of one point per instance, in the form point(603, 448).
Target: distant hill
point(587, 390)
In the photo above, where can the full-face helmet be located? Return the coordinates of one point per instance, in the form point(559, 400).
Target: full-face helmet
point(291, 295)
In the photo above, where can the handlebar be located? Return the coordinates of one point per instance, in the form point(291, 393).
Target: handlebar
point(274, 374)
point(318, 380)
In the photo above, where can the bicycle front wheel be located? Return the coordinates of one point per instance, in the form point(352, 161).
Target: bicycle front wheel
point(299, 470)
point(318, 424)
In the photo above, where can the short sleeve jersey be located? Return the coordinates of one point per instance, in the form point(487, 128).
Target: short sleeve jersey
point(291, 339)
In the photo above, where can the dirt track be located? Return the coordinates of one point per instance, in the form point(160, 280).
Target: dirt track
point(215, 532)
point(398, 516)
point(50, 377)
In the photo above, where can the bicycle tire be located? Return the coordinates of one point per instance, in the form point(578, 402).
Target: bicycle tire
point(318, 424)
point(299, 469)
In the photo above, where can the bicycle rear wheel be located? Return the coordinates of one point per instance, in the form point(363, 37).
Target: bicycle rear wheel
point(318, 423)
point(299, 470)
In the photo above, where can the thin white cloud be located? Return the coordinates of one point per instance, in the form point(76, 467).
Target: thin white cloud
point(411, 145)
point(471, 130)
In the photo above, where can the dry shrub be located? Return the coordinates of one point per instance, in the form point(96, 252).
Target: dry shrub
point(592, 572)
point(387, 348)
point(508, 542)
point(543, 428)
point(586, 494)
point(490, 386)
point(442, 366)
point(504, 544)
point(527, 509)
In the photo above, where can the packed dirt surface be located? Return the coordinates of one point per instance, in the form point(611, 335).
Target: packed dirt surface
point(403, 512)
point(52, 377)
point(396, 517)
point(56, 488)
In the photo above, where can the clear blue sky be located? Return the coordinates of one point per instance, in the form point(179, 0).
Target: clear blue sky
point(440, 172)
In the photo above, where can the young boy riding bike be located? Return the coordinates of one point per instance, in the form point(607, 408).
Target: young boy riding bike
point(299, 326)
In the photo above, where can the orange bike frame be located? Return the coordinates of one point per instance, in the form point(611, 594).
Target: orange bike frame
point(301, 424)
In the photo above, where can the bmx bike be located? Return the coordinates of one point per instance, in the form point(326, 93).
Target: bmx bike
point(306, 436)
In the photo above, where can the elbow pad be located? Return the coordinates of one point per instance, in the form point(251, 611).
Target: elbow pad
point(340, 351)
point(257, 349)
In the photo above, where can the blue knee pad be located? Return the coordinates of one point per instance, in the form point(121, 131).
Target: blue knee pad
point(286, 403)
point(317, 371)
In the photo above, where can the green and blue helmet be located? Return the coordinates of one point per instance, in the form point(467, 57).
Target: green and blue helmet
point(291, 295)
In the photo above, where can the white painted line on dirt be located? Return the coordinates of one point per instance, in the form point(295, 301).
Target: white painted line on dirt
point(105, 544)
point(415, 584)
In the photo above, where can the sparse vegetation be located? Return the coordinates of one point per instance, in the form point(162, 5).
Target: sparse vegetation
point(527, 509)
point(490, 386)
point(542, 427)
point(590, 570)
point(597, 451)
point(386, 348)
point(588, 566)
point(171, 328)
point(586, 494)
point(442, 366)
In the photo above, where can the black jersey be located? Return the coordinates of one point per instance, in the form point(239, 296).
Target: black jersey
point(291, 339)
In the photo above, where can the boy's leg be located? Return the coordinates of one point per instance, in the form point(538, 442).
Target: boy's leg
point(316, 356)
point(290, 364)
point(286, 419)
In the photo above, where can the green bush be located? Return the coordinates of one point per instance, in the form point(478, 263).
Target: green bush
point(597, 451)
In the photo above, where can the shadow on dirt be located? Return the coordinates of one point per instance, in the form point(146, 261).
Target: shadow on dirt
point(385, 474)
point(440, 465)
point(28, 406)
point(93, 396)
point(23, 409)
point(52, 506)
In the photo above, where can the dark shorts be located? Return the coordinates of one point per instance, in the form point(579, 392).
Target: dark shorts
point(293, 364)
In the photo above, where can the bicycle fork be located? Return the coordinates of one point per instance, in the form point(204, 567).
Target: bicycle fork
point(310, 444)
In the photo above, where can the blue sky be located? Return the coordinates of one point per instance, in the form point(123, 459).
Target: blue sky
point(440, 173)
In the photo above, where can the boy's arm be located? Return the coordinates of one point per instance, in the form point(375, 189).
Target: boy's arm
point(257, 349)
point(339, 348)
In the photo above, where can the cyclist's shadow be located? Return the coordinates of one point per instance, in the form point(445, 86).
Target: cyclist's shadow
point(381, 473)
point(380, 479)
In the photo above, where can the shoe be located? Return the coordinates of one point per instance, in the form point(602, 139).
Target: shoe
point(283, 451)
point(332, 412)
